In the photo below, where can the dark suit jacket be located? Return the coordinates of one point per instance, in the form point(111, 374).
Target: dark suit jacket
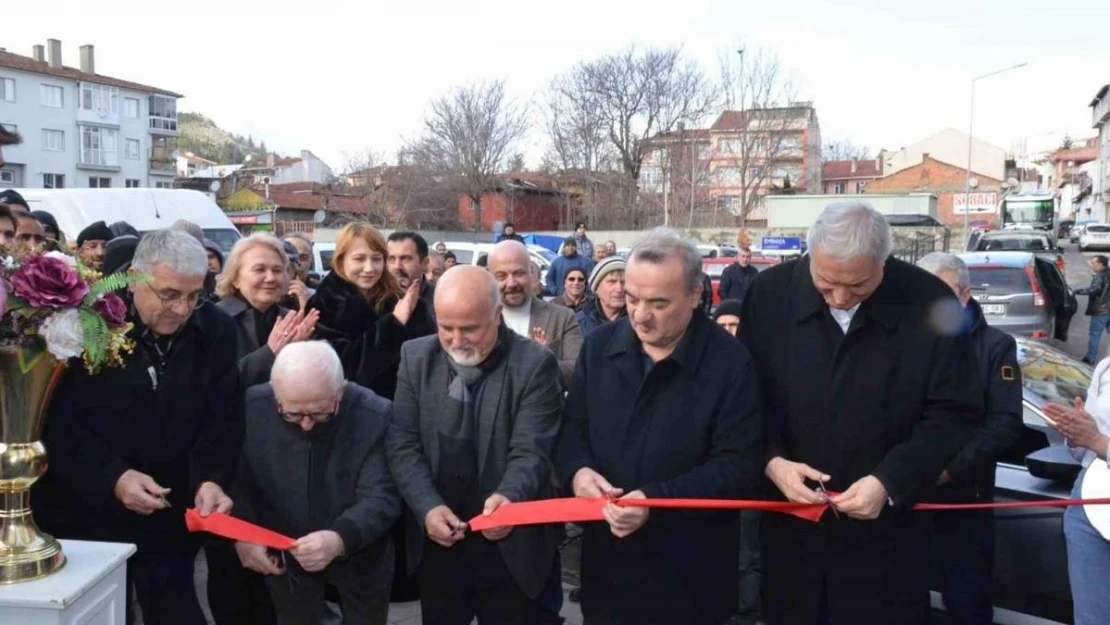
point(564, 337)
point(255, 361)
point(515, 437)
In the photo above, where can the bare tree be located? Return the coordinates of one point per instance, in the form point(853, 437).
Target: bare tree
point(760, 145)
point(844, 150)
point(469, 136)
point(630, 97)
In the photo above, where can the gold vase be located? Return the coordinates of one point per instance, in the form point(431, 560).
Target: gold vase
point(25, 552)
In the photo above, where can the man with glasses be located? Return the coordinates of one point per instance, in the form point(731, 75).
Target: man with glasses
point(133, 446)
point(314, 466)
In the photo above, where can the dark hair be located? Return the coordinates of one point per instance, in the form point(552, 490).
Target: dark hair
point(575, 270)
point(6, 213)
point(450, 255)
point(570, 242)
point(483, 260)
point(1102, 259)
point(508, 224)
point(580, 224)
point(408, 235)
point(8, 137)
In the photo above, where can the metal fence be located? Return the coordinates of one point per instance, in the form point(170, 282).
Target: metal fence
point(910, 247)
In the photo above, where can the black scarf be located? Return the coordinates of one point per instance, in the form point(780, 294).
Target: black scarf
point(263, 321)
point(464, 386)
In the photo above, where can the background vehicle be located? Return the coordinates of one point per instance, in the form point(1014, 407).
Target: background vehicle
point(714, 267)
point(145, 209)
point(1028, 210)
point(1063, 229)
point(1021, 293)
point(1030, 571)
point(1035, 241)
point(1094, 235)
point(1077, 230)
point(470, 253)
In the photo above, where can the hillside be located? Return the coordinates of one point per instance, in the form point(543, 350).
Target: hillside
point(201, 136)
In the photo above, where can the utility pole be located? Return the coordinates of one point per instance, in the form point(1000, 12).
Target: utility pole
point(970, 147)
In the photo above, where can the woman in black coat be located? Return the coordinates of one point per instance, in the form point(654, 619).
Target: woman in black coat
point(363, 314)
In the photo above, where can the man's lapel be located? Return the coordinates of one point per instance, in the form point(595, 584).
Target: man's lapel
point(488, 409)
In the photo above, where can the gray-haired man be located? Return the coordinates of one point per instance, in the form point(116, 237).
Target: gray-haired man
point(871, 390)
point(965, 539)
point(314, 467)
point(133, 446)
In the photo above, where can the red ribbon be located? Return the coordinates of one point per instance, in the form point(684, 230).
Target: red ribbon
point(226, 526)
point(571, 510)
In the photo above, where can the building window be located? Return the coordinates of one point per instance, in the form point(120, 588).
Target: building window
point(131, 149)
point(163, 113)
point(7, 176)
point(860, 186)
point(755, 172)
point(131, 183)
point(98, 146)
point(651, 179)
point(703, 152)
point(728, 175)
point(730, 146)
point(53, 181)
point(791, 142)
point(50, 96)
point(53, 140)
point(163, 185)
point(7, 89)
point(731, 203)
point(131, 108)
point(97, 182)
point(99, 98)
point(838, 188)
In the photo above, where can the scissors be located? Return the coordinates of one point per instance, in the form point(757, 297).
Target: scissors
point(825, 493)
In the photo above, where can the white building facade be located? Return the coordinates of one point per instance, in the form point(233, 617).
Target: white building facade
point(82, 129)
point(1100, 119)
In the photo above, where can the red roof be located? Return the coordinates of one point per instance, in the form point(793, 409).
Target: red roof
point(28, 64)
point(729, 120)
point(842, 170)
point(1079, 155)
point(311, 196)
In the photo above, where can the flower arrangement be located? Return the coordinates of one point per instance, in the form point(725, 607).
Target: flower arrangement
point(51, 303)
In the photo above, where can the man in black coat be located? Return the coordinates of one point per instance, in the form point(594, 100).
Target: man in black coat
point(663, 403)
point(738, 277)
point(871, 391)
point(132, 447)
point(965, 539)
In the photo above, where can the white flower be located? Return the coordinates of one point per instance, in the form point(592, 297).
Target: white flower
point(9, 262)
point(62, 331)
point(65, 258)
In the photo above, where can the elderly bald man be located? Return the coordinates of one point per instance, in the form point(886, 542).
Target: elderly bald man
point(314, 466)
point(475, 416)
point(529, 316)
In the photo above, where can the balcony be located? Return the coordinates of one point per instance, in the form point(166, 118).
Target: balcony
point(163, 115)
point(98, 159)
point(162, 161)
point(163, 126)
point(1100, 112)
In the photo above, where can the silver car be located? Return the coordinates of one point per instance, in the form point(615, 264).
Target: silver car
point(1021, 293)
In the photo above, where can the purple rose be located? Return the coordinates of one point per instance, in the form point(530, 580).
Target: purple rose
point(46, 281)
point(112, 308)
point(3, 298)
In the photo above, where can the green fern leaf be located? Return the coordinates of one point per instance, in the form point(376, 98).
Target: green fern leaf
point(95, 331)
point(114, 282)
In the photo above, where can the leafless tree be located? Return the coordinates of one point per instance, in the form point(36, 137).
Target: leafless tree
point(630, 97)
point(764, 151)
point(844, 150)
point(469, 136)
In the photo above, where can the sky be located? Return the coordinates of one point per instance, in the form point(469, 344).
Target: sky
point(340, 77)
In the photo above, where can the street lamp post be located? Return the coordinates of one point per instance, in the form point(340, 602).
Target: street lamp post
point(970, 145)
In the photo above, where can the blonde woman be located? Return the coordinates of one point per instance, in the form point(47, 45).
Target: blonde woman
point(253, 280)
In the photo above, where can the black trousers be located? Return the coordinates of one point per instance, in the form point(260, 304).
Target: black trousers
point(362, 581)
point(162, 582)
point(470, 580)
point(236, 595)
point(964, 549)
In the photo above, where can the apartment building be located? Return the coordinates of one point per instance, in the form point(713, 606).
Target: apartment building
point(83, 129)
point(1100, 119)
point(743, 156)
point(851, 176)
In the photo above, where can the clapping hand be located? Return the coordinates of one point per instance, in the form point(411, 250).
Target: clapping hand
point(403, 310)
point(293, 327)
point(539, 336)
point(1077, 425)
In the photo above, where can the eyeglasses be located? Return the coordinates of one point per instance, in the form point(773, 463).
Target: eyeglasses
point(315, 417)
point(191, 300)
point(576, 279)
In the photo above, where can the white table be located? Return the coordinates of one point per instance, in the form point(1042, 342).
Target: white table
point(89, 590)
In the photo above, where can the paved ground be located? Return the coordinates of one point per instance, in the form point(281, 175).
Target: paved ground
point(1079, 276)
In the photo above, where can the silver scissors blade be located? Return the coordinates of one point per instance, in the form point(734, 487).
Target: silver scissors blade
point(821, 489)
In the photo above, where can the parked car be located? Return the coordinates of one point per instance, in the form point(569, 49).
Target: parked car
point(714, 267)
point(1030, 571)
point(1063, 229)
point(1036, 241)
point(1094, 235)
point(467, 253)
point(1021, 293)
point(1078, 228)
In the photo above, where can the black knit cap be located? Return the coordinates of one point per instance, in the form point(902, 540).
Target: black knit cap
point(98, 231)
point(118, 253)
point(728, 307)
point(47, 220)
point(11, 196)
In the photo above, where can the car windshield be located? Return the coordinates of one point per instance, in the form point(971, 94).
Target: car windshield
point(1051, 376)
point(715, 270)
point(224, 238)
point(999, 280)
point(1098, 228)
point(1013, 244)
point(547, 254)
point(325, 259)
point(464, 257)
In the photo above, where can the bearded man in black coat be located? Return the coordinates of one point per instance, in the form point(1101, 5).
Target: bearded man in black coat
point(871, 388)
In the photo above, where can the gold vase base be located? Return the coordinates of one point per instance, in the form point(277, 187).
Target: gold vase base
point(24, 565)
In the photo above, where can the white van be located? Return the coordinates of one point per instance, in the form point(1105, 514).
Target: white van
point(145, 209)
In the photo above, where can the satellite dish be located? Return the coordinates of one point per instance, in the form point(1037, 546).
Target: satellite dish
point(319, 216)
point(214, 186)
point(973, 183)
point(248, 158)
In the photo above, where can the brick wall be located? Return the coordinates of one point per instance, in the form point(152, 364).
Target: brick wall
point(942, 180)
point(530, 212)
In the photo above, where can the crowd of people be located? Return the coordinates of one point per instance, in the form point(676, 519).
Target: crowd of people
point(371, 413)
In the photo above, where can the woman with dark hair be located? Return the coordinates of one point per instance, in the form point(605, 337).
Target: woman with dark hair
point(363, 313)
point(574, 290)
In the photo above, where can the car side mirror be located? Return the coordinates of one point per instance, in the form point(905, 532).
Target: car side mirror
point(1053, 463)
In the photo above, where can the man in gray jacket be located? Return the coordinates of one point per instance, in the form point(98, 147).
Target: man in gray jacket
point(475, 415)
point(314, 467)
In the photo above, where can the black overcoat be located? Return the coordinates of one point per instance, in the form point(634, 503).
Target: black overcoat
point(896, 397)
point(691, 427)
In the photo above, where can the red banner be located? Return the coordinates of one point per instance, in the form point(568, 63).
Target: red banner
point(226, 526)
